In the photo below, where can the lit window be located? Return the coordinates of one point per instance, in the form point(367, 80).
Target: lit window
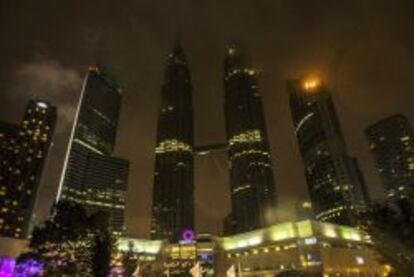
point(310, 241)
point(359, 260)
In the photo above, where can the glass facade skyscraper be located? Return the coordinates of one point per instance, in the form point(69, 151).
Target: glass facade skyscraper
point(23, 150)
point(335, 183)
point(251, 174)
point(391, 141)
point(173, 192)
point(91, 176)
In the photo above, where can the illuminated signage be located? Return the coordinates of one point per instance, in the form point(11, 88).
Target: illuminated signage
point(188, 235)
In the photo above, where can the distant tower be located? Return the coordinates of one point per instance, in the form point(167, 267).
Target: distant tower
point(251, 173)
point(392, 145)
point(173, 193)
point(91, 176)
point(23, 152)
point(335, 183)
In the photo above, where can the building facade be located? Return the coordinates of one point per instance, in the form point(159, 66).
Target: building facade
point(251, 174)
point(335, 183)
point(391, 141)
point(91, 176)
point(307, 248)
point(173, 192)
point(23, 153)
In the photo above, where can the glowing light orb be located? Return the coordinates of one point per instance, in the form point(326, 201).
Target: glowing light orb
point(188, 235)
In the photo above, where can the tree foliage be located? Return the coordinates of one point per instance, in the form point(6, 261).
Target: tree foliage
point(391, 226)
point(72, 242)
point(129, 261)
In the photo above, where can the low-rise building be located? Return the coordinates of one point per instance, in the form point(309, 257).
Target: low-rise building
point(311, 247)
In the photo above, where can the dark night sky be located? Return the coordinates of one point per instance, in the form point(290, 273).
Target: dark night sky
point(363, 50)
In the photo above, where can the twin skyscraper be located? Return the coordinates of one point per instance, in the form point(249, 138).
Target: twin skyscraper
point(251, 174)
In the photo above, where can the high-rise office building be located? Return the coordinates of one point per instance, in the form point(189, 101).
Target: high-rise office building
point(91, 176)
point(251, 174)
point(392, 145)
point(173, 192)
point(23, 151)
point(335, 183)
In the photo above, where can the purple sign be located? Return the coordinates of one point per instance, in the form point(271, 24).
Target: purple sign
point(188, 235)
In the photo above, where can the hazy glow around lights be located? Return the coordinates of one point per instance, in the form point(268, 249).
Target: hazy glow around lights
point(311, 84)
point(359, 260)
point(330, 232)
point(255, 241)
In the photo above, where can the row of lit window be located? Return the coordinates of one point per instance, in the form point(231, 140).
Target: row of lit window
point(400, 192)
point(262, 164)
point(108, 205)
point(331, 211)
point(250, 72)
point(249, 152)
point(34, 120)
point(94, 203)
point(172, 146)
point(329, 217)
point(239, 189)
point(343, 188)
point(42, 108)
point(170, 108)
point(19, 219)
point(251, 136)
point(19, 188)
point(261, 250)
point(104, 117)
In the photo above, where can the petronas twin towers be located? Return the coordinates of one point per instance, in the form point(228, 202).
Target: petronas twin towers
point(251, 176)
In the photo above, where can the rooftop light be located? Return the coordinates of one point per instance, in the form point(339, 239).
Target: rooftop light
point(42, 105)
point(311, 84)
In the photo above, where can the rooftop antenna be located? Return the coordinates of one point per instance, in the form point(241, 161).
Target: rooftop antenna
point(178, 16)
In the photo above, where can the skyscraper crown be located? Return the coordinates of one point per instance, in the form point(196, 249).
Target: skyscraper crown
point(105, 75)
point(177, 68)
point(177, 56)
point(236, 59)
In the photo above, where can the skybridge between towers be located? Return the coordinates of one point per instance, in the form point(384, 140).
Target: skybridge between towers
point(211, 148)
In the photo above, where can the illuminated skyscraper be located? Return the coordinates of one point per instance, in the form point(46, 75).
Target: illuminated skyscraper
point(91, 176)
point(335, 183)
point(392, 145)
point(23, 151)
point(173, 193)
point(251, 175)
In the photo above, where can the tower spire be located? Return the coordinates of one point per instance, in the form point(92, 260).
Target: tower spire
point(235, 57)
point(178, 48)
